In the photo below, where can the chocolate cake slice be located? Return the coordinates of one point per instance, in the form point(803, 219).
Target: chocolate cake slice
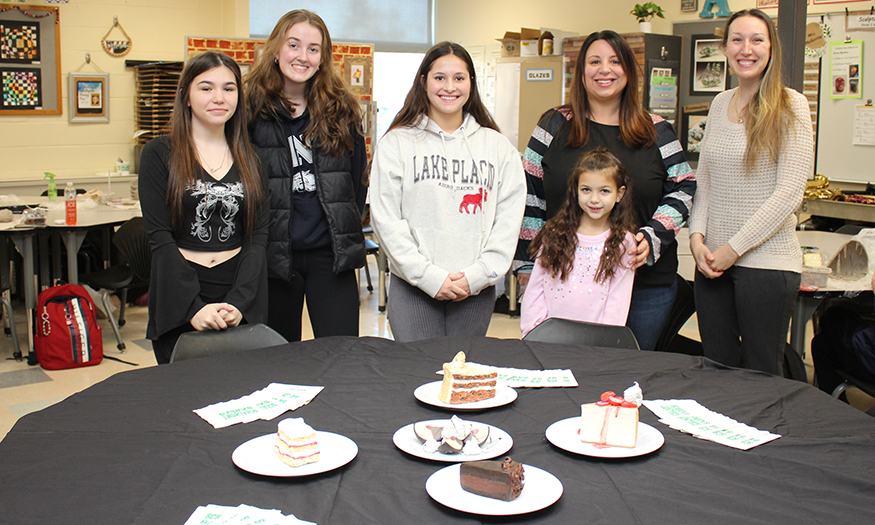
point(494, 479)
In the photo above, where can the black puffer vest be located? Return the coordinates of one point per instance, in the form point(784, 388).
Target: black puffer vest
point(336, 194)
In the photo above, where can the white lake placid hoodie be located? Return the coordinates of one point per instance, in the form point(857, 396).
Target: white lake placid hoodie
point(447, 202)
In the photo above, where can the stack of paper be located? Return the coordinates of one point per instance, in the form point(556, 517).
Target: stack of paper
point(241, 515)
point(689, 416)
point(522, 378)
point(266, 404)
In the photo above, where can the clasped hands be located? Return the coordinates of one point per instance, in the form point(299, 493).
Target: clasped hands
point(711, 265)
point(216, 316)
point(455, 288)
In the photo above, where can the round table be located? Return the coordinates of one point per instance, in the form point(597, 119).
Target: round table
point(130, 449)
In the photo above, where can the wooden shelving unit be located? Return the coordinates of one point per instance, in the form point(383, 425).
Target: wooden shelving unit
point(153, 103)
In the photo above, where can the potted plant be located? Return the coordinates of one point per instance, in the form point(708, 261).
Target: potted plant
point(645, 13)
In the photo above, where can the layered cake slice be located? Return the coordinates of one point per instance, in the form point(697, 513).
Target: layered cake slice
point(494, 479)
point(296, 442)
point(613, 420)
point(464, 383)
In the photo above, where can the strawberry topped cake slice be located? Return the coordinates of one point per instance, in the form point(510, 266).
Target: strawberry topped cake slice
point(612, 420)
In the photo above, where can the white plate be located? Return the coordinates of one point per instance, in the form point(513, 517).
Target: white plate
point(257, 456)
point(405, 439)
point(564, 435)
point(541, 490)
point(428, 393)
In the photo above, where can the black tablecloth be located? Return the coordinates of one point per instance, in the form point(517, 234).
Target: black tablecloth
point(130, 449)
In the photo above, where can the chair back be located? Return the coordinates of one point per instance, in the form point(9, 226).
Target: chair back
point(192, 345)
point(867, 387)
point(683, 308)
point(132, 242)
point(566, 331)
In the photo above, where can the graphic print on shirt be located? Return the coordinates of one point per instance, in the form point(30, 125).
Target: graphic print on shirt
point(215, 195)
point(579, 282)
point(474, 199)
point(303, 179)
point(459, 174)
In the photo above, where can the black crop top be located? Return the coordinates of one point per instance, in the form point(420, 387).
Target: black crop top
point(213, 211)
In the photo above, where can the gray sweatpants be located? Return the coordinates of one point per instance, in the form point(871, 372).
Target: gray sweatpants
point(414, 315)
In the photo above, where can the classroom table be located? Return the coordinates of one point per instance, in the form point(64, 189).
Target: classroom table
point(88, 218)
point(130, 450)
point(829, 243)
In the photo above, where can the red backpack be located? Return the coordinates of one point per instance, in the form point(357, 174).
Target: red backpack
point(67, 335)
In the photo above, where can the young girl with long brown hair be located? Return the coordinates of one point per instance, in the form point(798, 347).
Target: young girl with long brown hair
point(447, 197)
point(584, 262)
point(204, 207)
point(756, 157)
point(307, 125)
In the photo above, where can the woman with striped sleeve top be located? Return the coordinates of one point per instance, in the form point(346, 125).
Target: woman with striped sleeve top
point(605, 111)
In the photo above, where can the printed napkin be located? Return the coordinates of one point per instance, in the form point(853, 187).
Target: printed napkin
point(522, 378)
point(241, 515)
point(266, 404)
point(687, 415)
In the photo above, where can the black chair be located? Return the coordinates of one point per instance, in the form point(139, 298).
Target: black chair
point(133, 244)
point(79, 191)
point(373, 248)
point(851, 380)
point(566, 331)
point(192, 345)
point(850, 229)
point(683, 308)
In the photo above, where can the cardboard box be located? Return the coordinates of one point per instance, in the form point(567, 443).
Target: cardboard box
point(528, 48)
point(511, 42)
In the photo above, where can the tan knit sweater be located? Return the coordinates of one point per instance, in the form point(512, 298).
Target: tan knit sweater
point(753, 212)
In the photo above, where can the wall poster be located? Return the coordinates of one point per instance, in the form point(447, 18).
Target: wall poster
point(30, 66)
point(709, 67)
point(89, 97)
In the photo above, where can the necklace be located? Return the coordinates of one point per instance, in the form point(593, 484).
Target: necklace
point(738, 111)
point(214, 170)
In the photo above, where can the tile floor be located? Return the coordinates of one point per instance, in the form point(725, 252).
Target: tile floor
point(26, 389)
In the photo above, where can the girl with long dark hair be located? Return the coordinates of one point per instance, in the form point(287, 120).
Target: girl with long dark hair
point(204, 207)
point(447, 195)
point(583, 267)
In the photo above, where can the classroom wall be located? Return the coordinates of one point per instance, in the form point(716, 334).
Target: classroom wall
point(30, 145)
point(481, 22)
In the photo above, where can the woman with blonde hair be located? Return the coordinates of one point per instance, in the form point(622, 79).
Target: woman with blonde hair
point(756, 156)
point(307, 126)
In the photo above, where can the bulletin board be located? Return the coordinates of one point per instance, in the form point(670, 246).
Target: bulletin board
point(30, 60)
point(837, 157)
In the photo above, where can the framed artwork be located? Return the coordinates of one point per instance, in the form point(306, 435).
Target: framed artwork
point(89, 97)
point(30, 66)
point(689, 5)
point(693, 130)
point(709, 66)
point(357, 74)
